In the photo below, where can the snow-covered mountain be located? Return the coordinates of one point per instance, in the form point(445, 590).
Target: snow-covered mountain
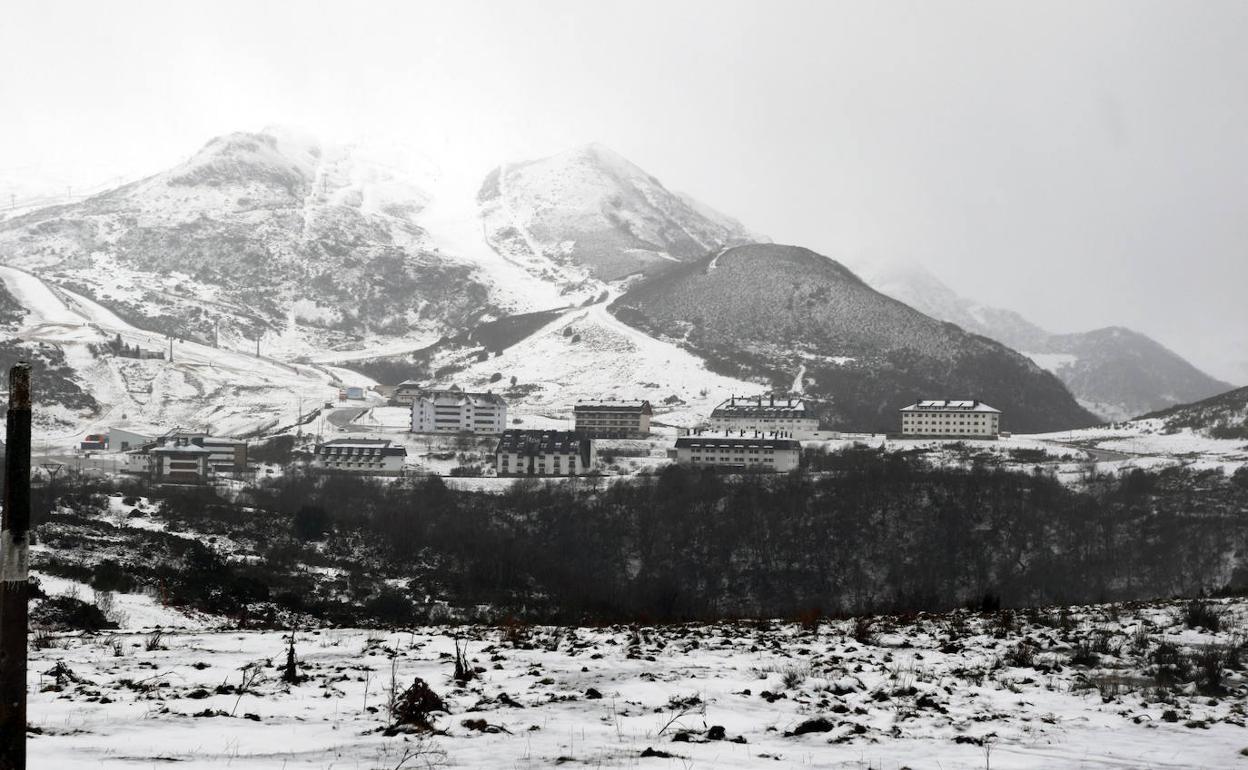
point(1115, 372)
point(795, 316)
point(591, 214)
point(257, 234)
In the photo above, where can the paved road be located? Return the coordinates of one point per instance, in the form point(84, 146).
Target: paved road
point(1099, 455)
point(342, 418)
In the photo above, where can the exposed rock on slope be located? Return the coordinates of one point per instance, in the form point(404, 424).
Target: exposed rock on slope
point(589, 213)
point(259, 230)
point(771, 310)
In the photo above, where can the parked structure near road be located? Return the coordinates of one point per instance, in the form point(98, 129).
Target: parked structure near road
point(741, 453)
point(94, 441)
point(610, 418)
point(371, 457)
point(951, 419)
point(544, 453)
point(456, 411)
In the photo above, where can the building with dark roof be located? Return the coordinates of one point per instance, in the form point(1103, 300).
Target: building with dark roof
point(544, 453)
point(611, 418)
point(737, 453)
point(787, 415)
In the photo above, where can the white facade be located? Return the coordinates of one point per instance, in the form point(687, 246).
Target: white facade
point(783, 415)
point(951, 419)
point(454, 411)
point(737, 453)
point(124, 439)
point(372, 457)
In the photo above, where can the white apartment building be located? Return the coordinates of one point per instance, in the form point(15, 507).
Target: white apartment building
point(784, 415)
point(951, 419)
point(544, 453)
point(737, 453)
point(610, 418)
point(455, 411)
point(371, 457)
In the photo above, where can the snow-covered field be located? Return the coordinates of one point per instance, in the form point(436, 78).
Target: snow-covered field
point(1145, 443)
point(942, 691)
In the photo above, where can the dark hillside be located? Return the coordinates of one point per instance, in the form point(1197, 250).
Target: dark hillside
point(771, 309)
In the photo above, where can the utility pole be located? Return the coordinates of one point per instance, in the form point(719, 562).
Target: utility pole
point(170, 337)
point(257, 346)
point(14, 572)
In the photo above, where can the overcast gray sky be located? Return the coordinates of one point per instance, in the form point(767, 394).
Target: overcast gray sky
point(1084, 163)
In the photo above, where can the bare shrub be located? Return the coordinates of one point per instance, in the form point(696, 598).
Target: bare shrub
point(1201, 614)
point(416, 706)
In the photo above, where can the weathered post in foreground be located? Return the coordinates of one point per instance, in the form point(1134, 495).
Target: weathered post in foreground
point(14, 566)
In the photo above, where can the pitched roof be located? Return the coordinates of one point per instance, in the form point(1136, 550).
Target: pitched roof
point(737, 441)
point(540, 442)
point(612, 405)
point(950, 406)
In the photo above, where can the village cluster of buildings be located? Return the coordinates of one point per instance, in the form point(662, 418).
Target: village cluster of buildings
point(754, 433)
point(178, 456)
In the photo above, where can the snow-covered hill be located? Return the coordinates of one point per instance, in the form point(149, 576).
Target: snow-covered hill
point(80, 385)
point(591, 214)
point(1115, 372)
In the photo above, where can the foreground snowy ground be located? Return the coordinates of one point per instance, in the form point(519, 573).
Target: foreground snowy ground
point(945, 691)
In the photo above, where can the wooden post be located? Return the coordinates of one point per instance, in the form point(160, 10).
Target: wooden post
point(14, 572)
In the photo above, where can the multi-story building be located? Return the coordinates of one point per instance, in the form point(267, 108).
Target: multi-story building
point(740, 453)
point(544, 453)
point(180, 462)
point(951, 419)
point(611, 418)
point(781, 415)
point(225, 455)
point(455, 411)
point(371, 457)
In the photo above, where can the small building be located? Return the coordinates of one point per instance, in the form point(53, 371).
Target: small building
point(456, 411)
point(544, 453)
point(94, 441)
point(784, 415)
point(738, 453)
point(121, 439)
point(406, 392)
point(611, 418)
point(370, 457)
point(951, 419)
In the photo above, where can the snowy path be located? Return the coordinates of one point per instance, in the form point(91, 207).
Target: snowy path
point(797, 381)
point(714, 263)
